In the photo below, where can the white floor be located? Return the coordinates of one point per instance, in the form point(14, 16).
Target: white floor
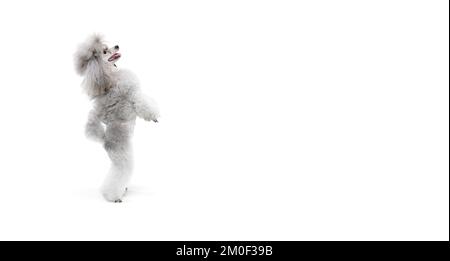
point(280, 121)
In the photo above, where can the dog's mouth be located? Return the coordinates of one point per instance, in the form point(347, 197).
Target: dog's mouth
point(114, 57)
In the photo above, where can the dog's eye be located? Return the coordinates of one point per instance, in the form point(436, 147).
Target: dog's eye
point(104, 52)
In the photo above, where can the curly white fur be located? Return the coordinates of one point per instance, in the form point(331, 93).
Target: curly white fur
point(117, 102)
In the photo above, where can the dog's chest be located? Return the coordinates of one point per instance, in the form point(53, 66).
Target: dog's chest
point(116, 108)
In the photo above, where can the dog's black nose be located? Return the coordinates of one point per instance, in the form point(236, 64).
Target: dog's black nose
point(116, 47)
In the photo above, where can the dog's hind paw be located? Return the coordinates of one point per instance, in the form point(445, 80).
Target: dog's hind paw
point(114, 196)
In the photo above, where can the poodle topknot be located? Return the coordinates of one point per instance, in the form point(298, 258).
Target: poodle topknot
point(117, 101)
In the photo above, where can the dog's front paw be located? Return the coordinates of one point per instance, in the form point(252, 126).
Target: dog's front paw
point(151, 114)
point(151, 117)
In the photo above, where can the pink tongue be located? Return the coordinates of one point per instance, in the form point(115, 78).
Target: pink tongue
point(114, 56)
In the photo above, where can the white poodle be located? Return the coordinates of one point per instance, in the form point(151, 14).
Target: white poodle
point(117, 102)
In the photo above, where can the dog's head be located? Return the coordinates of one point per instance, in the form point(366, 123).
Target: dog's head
point(95, 61)
point(95, 50)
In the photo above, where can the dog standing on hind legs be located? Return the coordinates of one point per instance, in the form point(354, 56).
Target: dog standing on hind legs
point(117, 102)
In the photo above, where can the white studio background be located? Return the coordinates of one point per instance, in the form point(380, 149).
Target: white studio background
point(281, 120)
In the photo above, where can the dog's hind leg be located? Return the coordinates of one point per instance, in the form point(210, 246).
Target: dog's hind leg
point(118, 147)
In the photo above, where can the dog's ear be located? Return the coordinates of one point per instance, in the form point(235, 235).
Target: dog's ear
point(88, 62)
point(81, 62)
point(87, 51)
point(97, 80)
